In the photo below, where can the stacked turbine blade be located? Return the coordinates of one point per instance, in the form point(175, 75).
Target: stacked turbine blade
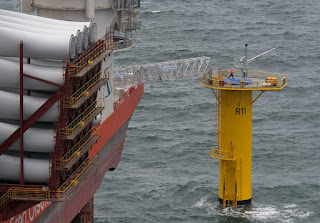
point(44, 38)
point(46, 42)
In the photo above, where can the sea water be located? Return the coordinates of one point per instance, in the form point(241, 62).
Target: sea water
point(166, 173)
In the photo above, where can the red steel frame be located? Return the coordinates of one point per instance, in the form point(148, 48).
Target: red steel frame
point(24, 126)
point(64, 91)
point(21, 115)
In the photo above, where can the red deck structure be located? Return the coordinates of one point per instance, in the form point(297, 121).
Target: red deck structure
point(76, 170)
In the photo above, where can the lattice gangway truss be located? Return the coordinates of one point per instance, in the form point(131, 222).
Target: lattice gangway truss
point(161, 71)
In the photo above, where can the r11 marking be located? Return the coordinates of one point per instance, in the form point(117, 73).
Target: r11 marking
point(241, 111)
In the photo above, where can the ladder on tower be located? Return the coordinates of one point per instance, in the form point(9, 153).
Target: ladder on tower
point(232, 197)
point(175, 69)
point(218, 117)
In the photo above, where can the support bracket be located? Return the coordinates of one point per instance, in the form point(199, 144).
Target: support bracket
point(31, 121)
point(215, 95)
point(257, 97)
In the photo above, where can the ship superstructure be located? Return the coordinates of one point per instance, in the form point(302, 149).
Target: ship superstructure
point(60, 116)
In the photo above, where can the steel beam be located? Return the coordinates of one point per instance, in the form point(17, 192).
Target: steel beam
point(31, 121)
point(21, 115)
point(42, 80)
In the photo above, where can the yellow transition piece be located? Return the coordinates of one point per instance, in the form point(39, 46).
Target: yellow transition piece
point(234, 127)
point(235, 135)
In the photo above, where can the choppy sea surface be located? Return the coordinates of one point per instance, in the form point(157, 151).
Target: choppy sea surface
point(166, 173)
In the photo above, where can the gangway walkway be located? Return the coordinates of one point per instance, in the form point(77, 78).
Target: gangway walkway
point(161, 71)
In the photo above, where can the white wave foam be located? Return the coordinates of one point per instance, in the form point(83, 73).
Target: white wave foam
point(287, 213)
point(202, 202)
point(257, 212)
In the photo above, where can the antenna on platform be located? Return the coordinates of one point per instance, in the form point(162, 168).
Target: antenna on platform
point(243, 62)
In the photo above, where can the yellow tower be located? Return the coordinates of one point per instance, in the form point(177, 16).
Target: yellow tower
point(234, 126)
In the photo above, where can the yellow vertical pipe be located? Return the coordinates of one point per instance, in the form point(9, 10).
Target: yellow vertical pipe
point(236, 132)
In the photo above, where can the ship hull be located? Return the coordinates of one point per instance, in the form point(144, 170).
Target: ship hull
point(108, 149)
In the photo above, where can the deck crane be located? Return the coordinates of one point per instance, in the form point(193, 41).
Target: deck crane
point(161, 71)
point(243, 62)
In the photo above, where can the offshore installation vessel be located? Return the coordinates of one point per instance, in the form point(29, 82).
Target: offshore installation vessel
point(65, 110)
point(60, 130)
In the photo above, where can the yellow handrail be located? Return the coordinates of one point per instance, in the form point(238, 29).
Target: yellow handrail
point(5, 197)
point(260, 79)
point(228, 154)
point(250, 73)
point(60, 194)
point(76, 178)
point(86, 116)
point(102, 48)
point(75, 152)
point(84, 91)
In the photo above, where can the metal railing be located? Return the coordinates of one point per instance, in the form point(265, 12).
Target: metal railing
point(61, 194)
point(76, 178)
point(121, 43)
point(86, 117)
point(228, 154)
point(77, 151)
point(160, 71)
point(88, 89)
point(91, 56)
point(130, 26)
point(123, 97)
point(253, 79)
point(125, 4)
point(7, 196)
